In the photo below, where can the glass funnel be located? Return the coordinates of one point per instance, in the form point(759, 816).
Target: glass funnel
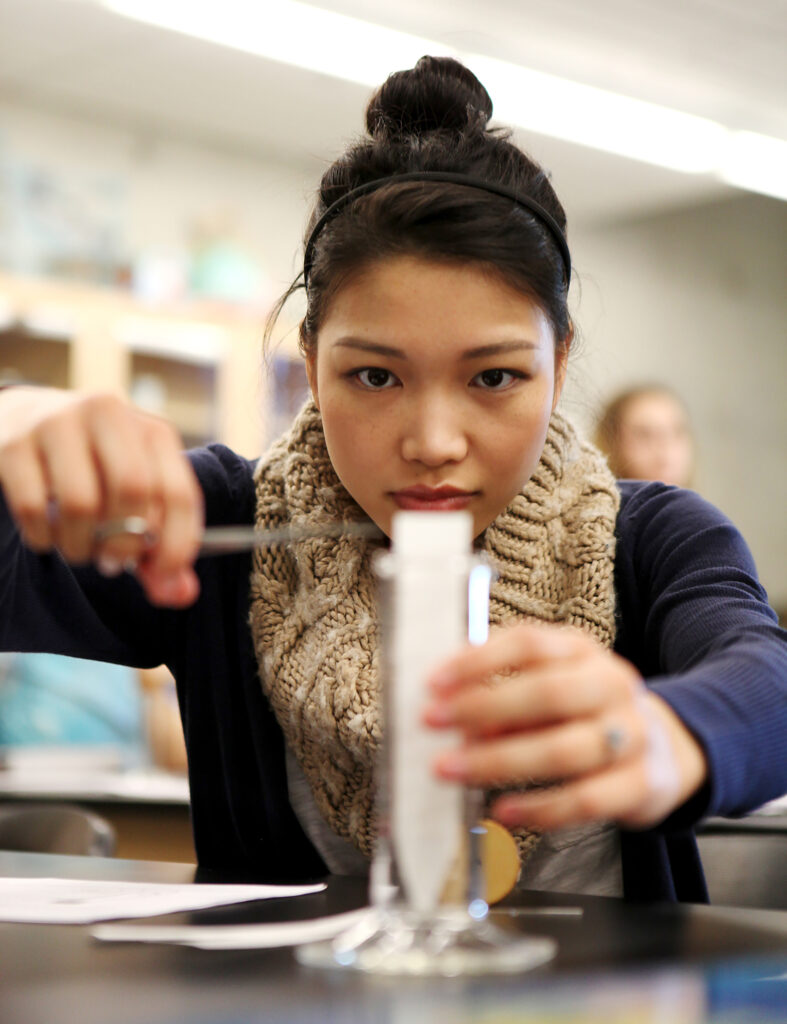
point(428, 887)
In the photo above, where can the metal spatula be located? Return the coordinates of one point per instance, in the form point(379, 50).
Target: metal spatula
point(226, 540)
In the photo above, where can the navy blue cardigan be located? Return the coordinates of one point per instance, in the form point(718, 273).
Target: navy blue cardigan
point(692, 617)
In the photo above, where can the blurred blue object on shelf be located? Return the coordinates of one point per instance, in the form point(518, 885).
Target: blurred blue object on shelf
point(46, 699)
point(65, 221)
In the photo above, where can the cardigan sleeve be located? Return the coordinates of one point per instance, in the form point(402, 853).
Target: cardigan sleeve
point(49, 606)
point(695, 620)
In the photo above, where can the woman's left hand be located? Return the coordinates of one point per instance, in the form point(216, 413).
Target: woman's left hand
point(567, 711)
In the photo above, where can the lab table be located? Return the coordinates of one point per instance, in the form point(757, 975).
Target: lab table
point(616, 962)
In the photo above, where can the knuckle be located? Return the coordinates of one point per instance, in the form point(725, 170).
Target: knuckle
point(103, 403)
point(498, 766)
point(555, 696)
point(166, 431)
point(163, 434)
point(562, 755)
point(131, 489)
point(575, 641)
point(34, 530)
point(12, 449)
point(27, 511)
point(77, 507)
point(515, 640)
point(521, 631)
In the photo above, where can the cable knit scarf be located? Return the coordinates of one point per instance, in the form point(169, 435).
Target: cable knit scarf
point(313, 616)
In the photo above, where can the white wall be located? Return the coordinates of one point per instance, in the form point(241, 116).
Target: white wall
point(693, 298)
point(696, 299)
point(167, 186)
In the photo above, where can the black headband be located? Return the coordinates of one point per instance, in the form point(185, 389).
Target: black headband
point(455, 179)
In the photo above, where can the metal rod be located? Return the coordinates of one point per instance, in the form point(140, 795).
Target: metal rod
point(222, 540)
point(227, 540)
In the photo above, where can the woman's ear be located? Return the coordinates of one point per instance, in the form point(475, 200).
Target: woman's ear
point(311, 375)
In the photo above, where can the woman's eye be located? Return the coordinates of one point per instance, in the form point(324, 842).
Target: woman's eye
point(375, 378)
point(496, 380)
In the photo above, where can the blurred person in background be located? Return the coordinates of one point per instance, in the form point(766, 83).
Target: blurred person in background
point(646, 434)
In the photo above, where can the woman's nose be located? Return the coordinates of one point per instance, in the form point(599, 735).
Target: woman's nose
point(434, 434)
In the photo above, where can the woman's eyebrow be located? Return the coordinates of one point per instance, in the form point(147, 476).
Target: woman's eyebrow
point(494, 349)
point(371, 346)
point(499, 348)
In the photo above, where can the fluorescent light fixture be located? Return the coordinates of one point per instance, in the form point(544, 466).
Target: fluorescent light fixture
point(757, 163)
point(358, 51)
point(287, 31)
point(603, 120)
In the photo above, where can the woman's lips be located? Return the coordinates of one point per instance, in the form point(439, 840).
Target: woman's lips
point(432, 499)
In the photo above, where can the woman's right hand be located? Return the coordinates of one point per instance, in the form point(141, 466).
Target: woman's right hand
point(70, 462)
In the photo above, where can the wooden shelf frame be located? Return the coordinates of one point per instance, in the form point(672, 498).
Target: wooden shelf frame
point(107, 333)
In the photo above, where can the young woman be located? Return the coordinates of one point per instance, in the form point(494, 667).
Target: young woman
point(636, 662)
point(646, 435)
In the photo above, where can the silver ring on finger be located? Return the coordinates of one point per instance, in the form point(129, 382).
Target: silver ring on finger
point(131, 526)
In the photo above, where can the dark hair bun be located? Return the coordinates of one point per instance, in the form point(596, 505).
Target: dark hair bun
point(438, 94)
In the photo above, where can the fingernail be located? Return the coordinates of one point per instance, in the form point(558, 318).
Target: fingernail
point(507, 814)
point(109, 566)
point(441, 680)
point(169, 586)
point(452, 765)
point(439, 714)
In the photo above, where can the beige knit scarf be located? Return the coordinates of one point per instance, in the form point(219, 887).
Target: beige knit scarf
point(313, 616)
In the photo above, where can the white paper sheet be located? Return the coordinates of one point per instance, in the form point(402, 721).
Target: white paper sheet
point(235, 936)
point(83, 901)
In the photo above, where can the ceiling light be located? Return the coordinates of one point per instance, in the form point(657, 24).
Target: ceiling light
point(757, 163)
point(358, 51)
point(287, 31)
point(603, 120)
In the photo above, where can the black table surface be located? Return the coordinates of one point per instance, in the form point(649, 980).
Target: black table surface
point(616, 963)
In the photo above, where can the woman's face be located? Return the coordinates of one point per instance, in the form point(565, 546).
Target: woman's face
point(435, 383)
point(654, 440)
